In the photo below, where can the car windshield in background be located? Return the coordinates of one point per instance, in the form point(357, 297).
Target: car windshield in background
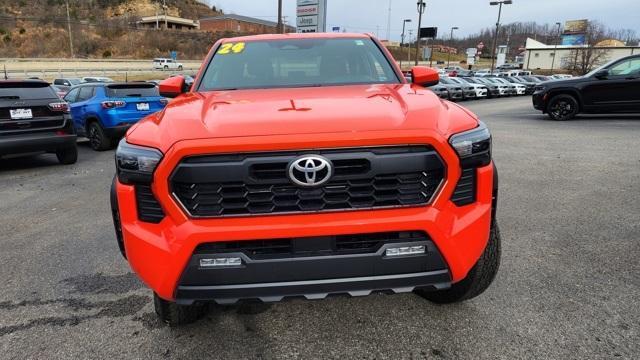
point(132, 90)
point(297, 63)
point(26, 91)
point(447, 81)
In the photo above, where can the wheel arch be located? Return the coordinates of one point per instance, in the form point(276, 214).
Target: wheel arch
point(91, 119)
point(567, 91)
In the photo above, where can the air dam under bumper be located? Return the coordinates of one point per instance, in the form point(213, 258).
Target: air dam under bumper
point(313, 277)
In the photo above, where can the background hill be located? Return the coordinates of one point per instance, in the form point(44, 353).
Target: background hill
point(100, 29)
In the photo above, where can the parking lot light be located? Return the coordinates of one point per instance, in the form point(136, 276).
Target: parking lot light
point(495, 38)
point(450, 43)
point(421, 6)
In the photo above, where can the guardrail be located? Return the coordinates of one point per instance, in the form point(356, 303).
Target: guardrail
point(59, 73)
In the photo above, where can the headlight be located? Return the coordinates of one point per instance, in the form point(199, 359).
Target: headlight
point(473, 146)
point(136, 164)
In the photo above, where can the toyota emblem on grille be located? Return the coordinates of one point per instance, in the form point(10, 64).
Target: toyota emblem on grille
point(310, 170)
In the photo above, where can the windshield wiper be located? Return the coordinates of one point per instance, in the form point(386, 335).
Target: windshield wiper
point(10, 97)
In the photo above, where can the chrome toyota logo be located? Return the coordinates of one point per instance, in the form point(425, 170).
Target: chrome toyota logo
point(311, 170)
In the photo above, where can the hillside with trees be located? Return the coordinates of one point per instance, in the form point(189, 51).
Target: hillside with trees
point(99, 29)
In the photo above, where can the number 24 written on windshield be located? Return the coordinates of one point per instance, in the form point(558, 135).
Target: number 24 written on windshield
point(231, 48)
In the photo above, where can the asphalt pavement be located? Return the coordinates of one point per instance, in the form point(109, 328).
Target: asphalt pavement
point(568, 286)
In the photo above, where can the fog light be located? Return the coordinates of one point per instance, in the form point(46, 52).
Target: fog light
point(218, 262)
point(406, 250)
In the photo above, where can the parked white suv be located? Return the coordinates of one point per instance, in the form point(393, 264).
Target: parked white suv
point(166, 64)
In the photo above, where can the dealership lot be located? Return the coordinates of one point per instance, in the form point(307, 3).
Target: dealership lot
point(567, 288)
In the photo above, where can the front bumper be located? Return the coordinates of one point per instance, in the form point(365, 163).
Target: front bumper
point(456, 95)
point(162, 253)
point(539, 102)
point(470, 94)
point(314, 276)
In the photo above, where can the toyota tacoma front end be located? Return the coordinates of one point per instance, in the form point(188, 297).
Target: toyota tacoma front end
point(305, 165)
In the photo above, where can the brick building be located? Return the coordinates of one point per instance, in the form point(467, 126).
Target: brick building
point(240, 24)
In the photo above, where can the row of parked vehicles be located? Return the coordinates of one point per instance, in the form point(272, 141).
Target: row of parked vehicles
point(479, 87)
point(36, 116)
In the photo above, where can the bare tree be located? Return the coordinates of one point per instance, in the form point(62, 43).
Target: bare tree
point(582, 60)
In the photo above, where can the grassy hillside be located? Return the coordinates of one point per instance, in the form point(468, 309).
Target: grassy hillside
point(100, 29)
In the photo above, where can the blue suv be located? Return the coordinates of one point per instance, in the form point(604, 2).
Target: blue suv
point(103, 112)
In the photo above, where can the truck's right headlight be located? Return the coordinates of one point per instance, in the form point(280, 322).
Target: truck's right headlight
point(136, 164)
point(473, 146)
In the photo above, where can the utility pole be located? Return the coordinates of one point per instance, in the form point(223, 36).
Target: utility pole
point(69, 28)
point(421, 6)
point(555, 48)
point(157, 20)
point(389, 23)
point(164, 7)
point(450, 47)
point(409, 47)
point(495, 38)
point(279, 26)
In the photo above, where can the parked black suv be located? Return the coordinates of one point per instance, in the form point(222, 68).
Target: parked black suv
point(33, 119)
point(612, 88)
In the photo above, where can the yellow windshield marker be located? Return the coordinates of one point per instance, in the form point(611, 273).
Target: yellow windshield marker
point(231, 48)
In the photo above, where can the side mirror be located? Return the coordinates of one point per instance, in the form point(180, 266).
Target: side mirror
point(172, 86)
point(424, 76)
point(602, 74)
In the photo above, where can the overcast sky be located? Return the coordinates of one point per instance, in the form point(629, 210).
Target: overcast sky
point(469, 15)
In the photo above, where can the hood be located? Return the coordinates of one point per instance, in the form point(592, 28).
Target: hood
point(314, 110)
point(564, 82)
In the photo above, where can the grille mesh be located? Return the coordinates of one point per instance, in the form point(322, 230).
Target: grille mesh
point(371, 181)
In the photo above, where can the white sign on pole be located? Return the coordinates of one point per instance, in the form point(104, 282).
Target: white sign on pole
point(472, 52)
point(311, 16)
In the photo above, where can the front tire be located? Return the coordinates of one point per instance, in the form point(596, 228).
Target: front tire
point(67, 156)
point(97, 138)
point(562, 107)
point(477, 280)
point(176, 315)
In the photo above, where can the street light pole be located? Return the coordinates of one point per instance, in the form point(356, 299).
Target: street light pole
point(279, 26)
point(555, 48)
point(404, 22)
point(450, 43)
point(409, 47)
point(421, 5)
point(495, 38)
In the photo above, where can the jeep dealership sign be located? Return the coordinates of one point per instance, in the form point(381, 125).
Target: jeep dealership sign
point(311, 16)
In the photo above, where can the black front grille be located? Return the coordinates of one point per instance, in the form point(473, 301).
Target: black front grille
point(149, 210)
point(312, 246)
point(235, 185)
point(465, 192)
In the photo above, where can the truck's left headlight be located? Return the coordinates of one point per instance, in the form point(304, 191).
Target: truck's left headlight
point(473, 146)
point(136, 164)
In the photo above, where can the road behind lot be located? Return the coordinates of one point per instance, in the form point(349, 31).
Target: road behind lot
point(568, 286)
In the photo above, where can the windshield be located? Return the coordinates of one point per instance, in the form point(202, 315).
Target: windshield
point(26, 91)
point(447, 81)
point(297, 63)
point(132, 90)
